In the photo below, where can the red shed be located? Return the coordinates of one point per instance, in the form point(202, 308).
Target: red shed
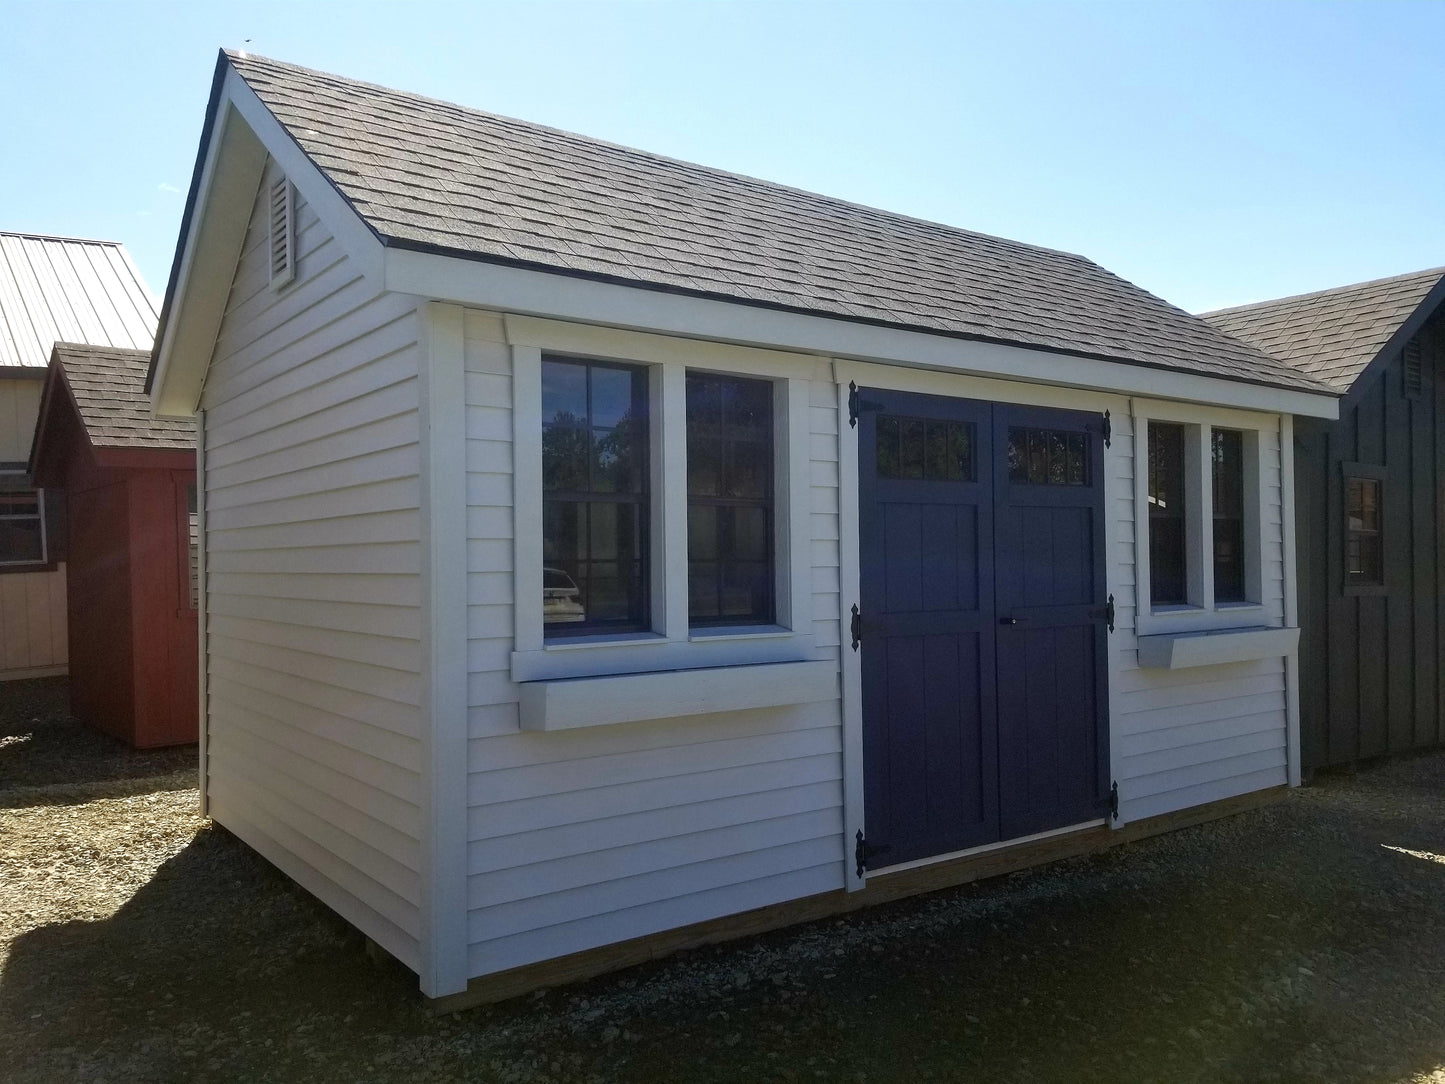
point(129, 482)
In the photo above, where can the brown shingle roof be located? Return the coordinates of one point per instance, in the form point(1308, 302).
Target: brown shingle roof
point(106, 384)
point(430, 175)
point(1332, 334)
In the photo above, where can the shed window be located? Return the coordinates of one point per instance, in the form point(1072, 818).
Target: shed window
point(595, 497)
point(729, 500)
point(1167, 515)
point(1364, 550)
point(1227, 470)
point(22, 528)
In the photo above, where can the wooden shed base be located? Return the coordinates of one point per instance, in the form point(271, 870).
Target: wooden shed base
point(882, 887)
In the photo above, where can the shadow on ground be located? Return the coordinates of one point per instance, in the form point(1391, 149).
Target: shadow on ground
point(43, 746)
point(1301, 942)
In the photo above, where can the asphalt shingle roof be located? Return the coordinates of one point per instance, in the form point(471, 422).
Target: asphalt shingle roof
point(435, 176)
point(107, 386)
point(1333, 334)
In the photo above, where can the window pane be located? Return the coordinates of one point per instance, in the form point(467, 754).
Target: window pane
point(1227, 471)
point(1364, 547)
point(564, 458)
point(730, 493)
point(912, 448)
point(20, 541)
point(1166, 514)
point(564, 392)
point(960, 452)
point(594, 469)
point(611, 396)
point(747, 470)
point(889, 465)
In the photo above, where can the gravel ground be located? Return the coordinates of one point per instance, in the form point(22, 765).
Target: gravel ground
point(1305, 941)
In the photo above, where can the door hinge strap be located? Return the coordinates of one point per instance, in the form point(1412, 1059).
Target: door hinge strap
point(1110, 802)
point(856, 625)
point(863, 850)
point(1109, 613)
point(1108, 429)
point(857, 404)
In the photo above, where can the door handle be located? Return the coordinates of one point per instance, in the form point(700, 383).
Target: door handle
point(1012, 620)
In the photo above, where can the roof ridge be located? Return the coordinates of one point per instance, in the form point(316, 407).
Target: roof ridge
point(59, 237)
point(777, 186)
point(1437, 272)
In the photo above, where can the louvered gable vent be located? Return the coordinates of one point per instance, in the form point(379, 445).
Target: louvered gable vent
point(1414, 375)
point(283, 232)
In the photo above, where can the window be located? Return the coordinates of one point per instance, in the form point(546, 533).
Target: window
point(729, 500)
point(22, 527)
point(1364, 550)
point(1167, 515)
point(1047, 457)
point(927, 449)
point(1227, 472)
point(594, 497)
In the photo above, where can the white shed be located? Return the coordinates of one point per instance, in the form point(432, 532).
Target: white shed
point(604, 554)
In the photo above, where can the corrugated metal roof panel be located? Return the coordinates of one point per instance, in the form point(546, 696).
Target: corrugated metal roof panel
point(64, 289)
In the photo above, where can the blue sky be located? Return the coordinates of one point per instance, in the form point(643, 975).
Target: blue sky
point(1214, 153)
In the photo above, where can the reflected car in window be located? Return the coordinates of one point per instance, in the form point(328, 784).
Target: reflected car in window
point(561, 598)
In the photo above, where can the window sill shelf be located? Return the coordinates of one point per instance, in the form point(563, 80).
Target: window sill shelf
point(628, 698)
point(1213, 647)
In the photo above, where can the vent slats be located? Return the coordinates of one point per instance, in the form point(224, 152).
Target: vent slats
point(1414, 370)
point(283, 233)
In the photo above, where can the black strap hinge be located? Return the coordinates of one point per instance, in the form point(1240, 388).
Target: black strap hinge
point(856, 625)
point(1109, 613)
point(1108, 429)
point(864, 850)
point(857, 404)
point(1109, 803)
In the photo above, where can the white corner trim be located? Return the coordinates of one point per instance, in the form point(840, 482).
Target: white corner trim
point(443, 714)
point(849, 594)
point(527, 497)
point(1291, 599)
point(672, 694)
point(572, 298)
point(202, 700)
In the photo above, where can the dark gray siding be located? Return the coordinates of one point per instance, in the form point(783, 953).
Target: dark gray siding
point(1372, 667)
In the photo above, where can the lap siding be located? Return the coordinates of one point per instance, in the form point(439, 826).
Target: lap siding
point(584, 838)
point(313, 596)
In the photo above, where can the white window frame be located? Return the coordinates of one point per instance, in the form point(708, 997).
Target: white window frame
point(671, 643)
point(44, 559)
point(1201, 611)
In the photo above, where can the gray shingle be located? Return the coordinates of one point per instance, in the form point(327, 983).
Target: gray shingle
point(425, 173)
point(1332, 335)
point(106, 383)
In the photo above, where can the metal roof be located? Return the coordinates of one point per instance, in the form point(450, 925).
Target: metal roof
point(433, 176)
point(63, 289)
point(1332, 335)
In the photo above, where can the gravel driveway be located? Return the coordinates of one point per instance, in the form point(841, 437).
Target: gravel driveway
point(1305, 941)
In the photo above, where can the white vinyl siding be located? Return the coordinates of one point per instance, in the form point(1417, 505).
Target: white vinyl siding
point(312, 578)
point(587, 837)
point(1186, 737)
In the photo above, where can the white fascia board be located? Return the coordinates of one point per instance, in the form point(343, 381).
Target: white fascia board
point(245, 134)
point(569, 297)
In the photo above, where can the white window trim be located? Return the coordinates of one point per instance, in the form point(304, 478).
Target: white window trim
point(1201, 612)
point(670, 644)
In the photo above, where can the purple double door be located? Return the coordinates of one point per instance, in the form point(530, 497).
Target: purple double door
point(982, 632)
